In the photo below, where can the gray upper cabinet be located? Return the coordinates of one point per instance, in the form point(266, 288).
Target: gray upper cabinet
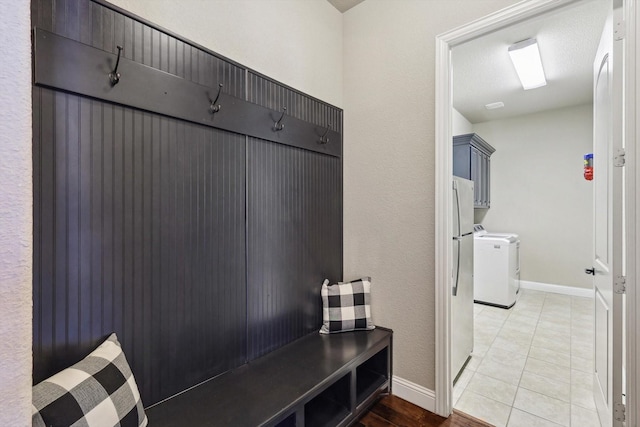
point(472, 160)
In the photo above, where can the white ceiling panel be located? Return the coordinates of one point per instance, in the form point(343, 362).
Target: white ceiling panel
point(568, 40)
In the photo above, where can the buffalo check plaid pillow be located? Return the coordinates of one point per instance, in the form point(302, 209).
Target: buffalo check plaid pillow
point(346, 306)
point(97, 391)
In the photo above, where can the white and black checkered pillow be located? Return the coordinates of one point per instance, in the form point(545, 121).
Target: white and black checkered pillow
point(97, 391)
point(346, 306)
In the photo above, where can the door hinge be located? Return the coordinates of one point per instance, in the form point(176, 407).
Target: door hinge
point(620, 32)
point(620, 285)
point(619, 411)
point(619, 158)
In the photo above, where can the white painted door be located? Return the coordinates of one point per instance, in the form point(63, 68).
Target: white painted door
point(608, 223)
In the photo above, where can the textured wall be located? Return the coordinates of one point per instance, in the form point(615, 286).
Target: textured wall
point(298, 43)
point(460, 125)
point(15, 214)
point(536, 173)
point(389, 164)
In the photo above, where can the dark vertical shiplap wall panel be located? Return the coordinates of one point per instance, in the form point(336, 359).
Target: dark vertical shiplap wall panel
point(294, 223)
point(138, 219)
point(140, 229)
point(268, 93)
point(104, 28)
point(294, 235)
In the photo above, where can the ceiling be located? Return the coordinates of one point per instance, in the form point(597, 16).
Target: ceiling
point(568, 40)
point(344, 5)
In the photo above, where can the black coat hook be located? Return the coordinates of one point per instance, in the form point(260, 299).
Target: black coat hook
point(215, 107)
point(114, 76)
point(323, 138)
point(278, 125)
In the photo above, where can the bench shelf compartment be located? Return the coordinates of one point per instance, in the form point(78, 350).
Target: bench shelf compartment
point(331, 407)
point(290, 421)
point(372, 375)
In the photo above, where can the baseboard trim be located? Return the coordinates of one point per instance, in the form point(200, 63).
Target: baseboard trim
point(557, 289)
point(414, 393)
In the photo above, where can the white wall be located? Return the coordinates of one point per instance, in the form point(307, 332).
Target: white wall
point(298, 43)
point(15, 214)
point(389, 164)
point(538, 191)
point(460, 125)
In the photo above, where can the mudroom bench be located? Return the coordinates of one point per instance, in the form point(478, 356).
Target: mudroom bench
point(318, 380)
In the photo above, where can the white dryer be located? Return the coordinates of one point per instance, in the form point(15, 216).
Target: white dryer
point(496, 267)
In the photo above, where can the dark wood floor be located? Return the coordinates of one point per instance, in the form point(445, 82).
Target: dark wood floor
point(391, 411)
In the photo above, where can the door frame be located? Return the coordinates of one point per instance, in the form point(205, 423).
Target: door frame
point(444, 171)
point(631, 88)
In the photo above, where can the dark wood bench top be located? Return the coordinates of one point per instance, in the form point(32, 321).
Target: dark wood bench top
point(264, 390)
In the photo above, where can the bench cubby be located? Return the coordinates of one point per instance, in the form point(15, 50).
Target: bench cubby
point(371, 375)
point(331, 407)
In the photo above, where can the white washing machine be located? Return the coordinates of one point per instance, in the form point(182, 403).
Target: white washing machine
point(496, 267)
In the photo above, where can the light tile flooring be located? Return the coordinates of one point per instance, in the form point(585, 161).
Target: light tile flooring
point(531, 365)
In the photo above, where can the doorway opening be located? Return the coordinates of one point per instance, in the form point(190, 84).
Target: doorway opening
point(447, 45)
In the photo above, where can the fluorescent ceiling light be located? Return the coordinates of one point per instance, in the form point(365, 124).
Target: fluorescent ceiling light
point(525, 56)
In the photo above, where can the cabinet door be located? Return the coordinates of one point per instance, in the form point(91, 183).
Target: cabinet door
point(487, 181)
point(462, 161)
point(484, 173)
point(476, 176)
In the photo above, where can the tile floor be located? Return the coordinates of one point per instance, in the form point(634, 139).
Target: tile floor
point(531, 365)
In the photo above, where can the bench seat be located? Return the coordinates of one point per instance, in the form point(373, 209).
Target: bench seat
point(318, 380)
